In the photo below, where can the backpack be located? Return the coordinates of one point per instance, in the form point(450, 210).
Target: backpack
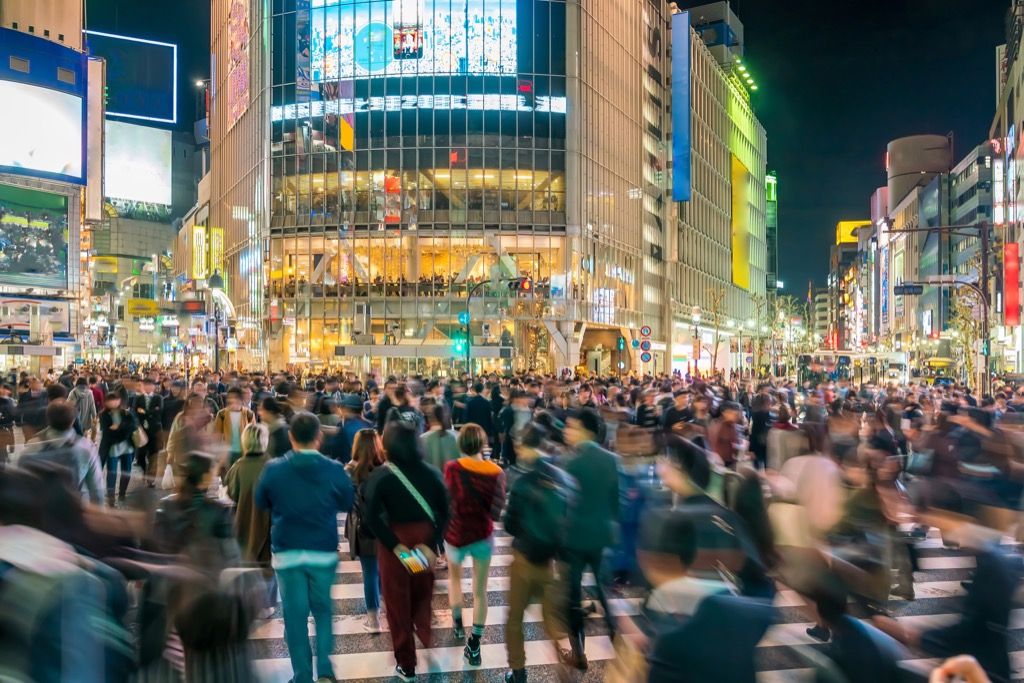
point(546, 518)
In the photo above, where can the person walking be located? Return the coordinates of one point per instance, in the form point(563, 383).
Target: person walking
point(272, 414)
point(591, 523)
point(148, 408)
point(116, 427)
point(407, 510)
point(85, 406)
point(252, 525)
point(477, 489)
point(339, 445)
point(304, 492)
point(540, 498)
point(230, 422)
point(440, 441)
point(367, 455)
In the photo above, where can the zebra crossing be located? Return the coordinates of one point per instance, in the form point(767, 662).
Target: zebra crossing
point(363, 656)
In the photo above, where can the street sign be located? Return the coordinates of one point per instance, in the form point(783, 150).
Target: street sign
point(645, 357)
point(908, 290)
point(636, 343)
point(645, 345)
point(645, 331)
point(463, 317)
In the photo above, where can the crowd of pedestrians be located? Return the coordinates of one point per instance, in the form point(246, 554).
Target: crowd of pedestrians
point(148, 520)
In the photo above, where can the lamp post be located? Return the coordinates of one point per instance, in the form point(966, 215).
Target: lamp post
point(695, 314)
point(216, 283)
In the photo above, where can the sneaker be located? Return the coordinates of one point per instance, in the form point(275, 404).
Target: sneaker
point(515, 676)
point(371, 624)
point(459, 631)
point(441, 563)
point(819, 633)
point(470, 654)
point(266, 613)
point(406, 675)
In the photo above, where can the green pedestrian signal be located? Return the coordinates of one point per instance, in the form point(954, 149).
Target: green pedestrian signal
point(622, 343)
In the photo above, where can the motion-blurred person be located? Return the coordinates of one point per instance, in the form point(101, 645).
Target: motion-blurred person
point(706, 633)
point(540, 499)
point(339, 445)
point(117, 426)
point(785, 440)
point(592, 521)
point(61, 445)
point(231, 421)
point(725, 433)
point(252, 525)
point(304, 492)
point(477, 489)
point(8, 421)
point(85, 407)
point(367, 455)
point(272, 414)
point(189, 432)
point(407, 510)
point(148, 409)
point(32, 408)
point(440, 440)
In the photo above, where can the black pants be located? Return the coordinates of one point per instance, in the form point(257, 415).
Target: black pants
point(576, 562)
point(145, 457)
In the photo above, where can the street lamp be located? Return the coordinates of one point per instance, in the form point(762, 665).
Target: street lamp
point(216, 283)
point(695, 316)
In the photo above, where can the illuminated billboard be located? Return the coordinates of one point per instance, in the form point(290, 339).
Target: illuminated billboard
point(137, 163)
point(238, 60)
point(740, 176)
point(142, 76)
point(42, 135)
point(681, 187)
point(33, 238)
point(411, 37)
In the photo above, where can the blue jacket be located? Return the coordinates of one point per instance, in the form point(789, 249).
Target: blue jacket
point(304, 492)
point(339, 446)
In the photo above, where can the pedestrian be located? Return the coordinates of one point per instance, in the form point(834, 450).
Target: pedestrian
point(272, 414)
point(439, 442)
point(407, 510)
point(148, 408)
point(61, 445)
point(230, 422)
point(477, 489)
point(540, 498)
point(8, 421)
point(252, 525)
point(116, 448)
point(339, 445)
point(304, 492)
point(592, 521)
point(85, 407)
point(367, 455)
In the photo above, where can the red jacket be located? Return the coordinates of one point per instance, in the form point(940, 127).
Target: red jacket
point(477, 490)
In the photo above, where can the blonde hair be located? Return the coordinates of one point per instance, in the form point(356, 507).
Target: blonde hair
point(255, 438)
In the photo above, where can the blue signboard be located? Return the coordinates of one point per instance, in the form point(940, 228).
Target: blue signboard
point(681, 186)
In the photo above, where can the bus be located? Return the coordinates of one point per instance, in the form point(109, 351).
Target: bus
point(859, 368)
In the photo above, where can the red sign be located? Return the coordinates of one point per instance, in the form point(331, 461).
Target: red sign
point(1011, 284)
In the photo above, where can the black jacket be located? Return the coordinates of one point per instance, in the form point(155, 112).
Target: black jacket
point(151, 419)
point(533, 515)
point(109, 436)
point(478, 411)
point(169, 410)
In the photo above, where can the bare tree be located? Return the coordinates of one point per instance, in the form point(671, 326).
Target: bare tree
point(964, 319)
point(760, 302)
point(716, 297)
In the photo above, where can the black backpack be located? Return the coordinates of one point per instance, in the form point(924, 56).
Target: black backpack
point(546, 519)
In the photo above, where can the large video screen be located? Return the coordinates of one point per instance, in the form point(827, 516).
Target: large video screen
point(411, 37)
point(42, 133)
point(137, 163)
point(33, 238)
point(141, 76)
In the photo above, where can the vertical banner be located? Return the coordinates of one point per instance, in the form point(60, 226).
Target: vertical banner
point(681, 187)
point(1011, 284)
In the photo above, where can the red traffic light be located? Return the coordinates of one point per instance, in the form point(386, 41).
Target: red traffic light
point(520, 284)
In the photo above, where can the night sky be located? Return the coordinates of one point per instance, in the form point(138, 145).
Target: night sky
point(837, 80)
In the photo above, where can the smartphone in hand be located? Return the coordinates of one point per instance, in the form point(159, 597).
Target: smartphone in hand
point(414, 561)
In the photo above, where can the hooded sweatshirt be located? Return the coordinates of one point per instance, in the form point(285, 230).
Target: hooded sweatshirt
point(304, 492)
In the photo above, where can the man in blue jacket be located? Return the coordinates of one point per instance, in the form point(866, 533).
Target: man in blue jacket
point(304, 492)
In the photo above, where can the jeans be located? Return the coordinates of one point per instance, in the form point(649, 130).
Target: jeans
point(126, 472)
point(306, 589)
point(371, 582)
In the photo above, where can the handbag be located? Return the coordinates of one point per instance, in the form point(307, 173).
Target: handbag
point(139, 438)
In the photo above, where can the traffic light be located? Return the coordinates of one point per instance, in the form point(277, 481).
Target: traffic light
point(622, 343)
point(522, 285)
point(461, 340)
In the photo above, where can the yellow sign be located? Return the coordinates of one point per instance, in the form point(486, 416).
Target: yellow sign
point(199, 254)
point(142, 307)
point(740, 176)
point(104, 264)
point(846, 231)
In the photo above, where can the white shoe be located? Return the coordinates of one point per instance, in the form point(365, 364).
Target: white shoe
point(371, 624)
point(266, 613)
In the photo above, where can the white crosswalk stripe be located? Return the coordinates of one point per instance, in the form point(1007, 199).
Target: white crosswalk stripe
point(362, 656)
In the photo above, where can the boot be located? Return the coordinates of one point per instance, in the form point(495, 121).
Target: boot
point(579, 657)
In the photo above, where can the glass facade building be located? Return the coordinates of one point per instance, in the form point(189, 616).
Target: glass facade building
point(382, 168)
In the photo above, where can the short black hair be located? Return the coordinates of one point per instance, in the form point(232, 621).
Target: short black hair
point(320, 384)
point(402, 444)
point(670, 532)
point(60, 415)
point(304, 427)
point(691, 458)
point(235, 391)
point(55, 392)
point(271, 405)
point(81, 382)
point(533, 435)
point(589, 419)
point(478, 387)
